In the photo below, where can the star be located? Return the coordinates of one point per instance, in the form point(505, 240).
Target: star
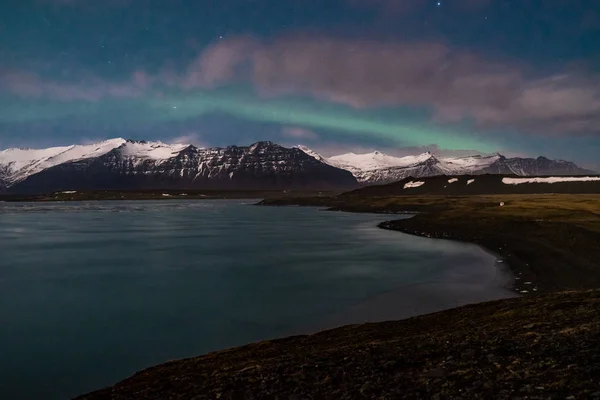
point(439, 3)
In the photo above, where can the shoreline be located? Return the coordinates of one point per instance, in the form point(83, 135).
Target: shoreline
point(520, 285)
point(548, 242)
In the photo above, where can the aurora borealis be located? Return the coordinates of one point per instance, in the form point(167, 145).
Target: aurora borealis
point(340, 75)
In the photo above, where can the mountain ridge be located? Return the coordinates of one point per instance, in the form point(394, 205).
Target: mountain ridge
point(130, 164)
point(379, 168)
point(138, 164)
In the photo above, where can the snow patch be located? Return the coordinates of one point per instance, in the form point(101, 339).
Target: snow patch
point(377, 160)
point(312, 153)
point(69, 191)
point(152, 150)
point(552, 179)
point(413, 184)
point(452, 180)
point(470, 162)
point(470, 181)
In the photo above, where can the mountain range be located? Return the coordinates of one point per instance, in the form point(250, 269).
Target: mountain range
point(379, 168)
point(129, 164)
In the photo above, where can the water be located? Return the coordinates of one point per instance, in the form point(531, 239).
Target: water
point(92, 292)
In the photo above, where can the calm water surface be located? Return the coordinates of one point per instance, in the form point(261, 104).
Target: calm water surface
point(92, 292)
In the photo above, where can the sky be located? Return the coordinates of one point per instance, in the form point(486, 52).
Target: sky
point(401, 76)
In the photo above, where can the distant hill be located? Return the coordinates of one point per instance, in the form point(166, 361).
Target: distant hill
point(483, 184)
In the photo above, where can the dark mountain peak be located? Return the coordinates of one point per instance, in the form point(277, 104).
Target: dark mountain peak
point(432, 159)
point(264, 146)
point(264, 143)
point(190, 149)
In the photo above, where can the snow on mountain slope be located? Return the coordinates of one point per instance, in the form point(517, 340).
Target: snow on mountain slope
point(128, 164)
point(152, 150)
point(313, 154)
point(235, 165)
point(380, 168)
point(469, 163)
point(377, 160)
point(18, 164)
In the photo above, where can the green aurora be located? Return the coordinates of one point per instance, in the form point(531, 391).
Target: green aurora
point(156, 108)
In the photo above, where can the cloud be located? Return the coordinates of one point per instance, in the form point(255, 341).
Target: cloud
point(299, 133)
point(456, 85)
point(29, 85)
point(189, 138)
point(218, 63)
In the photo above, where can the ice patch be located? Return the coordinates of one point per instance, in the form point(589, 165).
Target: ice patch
point(69, 191)
point(452, 180)
point(551, 179)
point(414, 184)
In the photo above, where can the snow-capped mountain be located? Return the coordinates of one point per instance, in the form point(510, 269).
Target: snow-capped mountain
point(128, 164)
point(376, 160)
point(380, 168)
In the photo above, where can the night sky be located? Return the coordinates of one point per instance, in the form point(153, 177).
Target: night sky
point(520, 77)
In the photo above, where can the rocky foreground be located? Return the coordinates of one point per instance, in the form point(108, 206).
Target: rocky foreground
point(538, 347)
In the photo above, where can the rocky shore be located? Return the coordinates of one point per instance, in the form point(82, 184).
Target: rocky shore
point(534, 347)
